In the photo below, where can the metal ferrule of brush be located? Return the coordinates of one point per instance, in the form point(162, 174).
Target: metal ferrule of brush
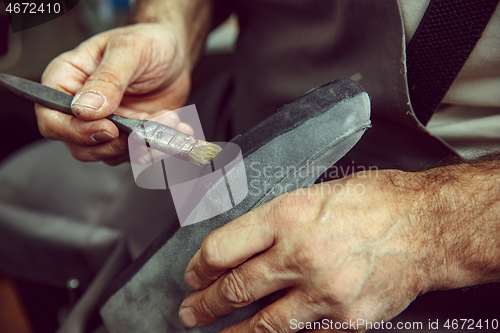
point(166, 139)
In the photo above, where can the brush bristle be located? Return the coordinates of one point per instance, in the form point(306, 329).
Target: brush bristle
point(204, 152)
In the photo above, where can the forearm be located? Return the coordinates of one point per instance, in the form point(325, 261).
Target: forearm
point(190, 20)
point(457, 210)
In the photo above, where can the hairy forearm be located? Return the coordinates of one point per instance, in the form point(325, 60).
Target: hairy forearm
point(456, 208)
point(191, 21)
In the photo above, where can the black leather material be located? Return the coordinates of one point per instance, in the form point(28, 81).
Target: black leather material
point(304, 137)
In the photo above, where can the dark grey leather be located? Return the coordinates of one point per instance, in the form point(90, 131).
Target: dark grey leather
point(305, 136)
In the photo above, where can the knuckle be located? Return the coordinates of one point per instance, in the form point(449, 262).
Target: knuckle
point(291, 210)
point(130, 42)
point(57, 61)
point(235, 290)
point(301, 204)
point(118, 147)
point(125, 40)
point(46, 132)
point(114, 161)
point(84, 154)
point(264, 323)
point(204, 309)
point(210, 252)
point(305, 259)
point(107, 77)
point(76, 137)
point(332, 293)
point(332, 296)
point(77, 154)
point(142, 115)
point(43, 130)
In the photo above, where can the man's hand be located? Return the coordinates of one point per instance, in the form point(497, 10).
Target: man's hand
point(356, 248)
point(343, 250)
point(138, 71)
point(141, 64)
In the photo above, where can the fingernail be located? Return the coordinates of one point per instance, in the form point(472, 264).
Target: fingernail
point(187, 317)
point(89, 101)
point(102, 136)
point(192, 280)
point(172, 114)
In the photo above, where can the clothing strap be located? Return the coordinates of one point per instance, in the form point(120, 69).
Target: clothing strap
point(440, 47)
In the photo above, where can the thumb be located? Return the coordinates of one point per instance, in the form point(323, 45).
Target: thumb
point(103, 90)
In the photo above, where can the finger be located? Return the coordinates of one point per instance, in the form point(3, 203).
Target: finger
point(231, 245)
point(100, 152)
point(171, 119)
point(103, 90)
point(291, 313)
point(62, 74)
point(167, 118)
point(56, 125)
point(114, 161)
point(254, 279)
point(185, 128)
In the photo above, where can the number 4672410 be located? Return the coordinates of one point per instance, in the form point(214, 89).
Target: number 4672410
point(32, 8)
point(471, 324)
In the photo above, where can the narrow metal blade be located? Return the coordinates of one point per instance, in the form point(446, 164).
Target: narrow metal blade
point(37, 93)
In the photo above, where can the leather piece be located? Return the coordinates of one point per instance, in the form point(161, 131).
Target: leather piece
point(305, 136)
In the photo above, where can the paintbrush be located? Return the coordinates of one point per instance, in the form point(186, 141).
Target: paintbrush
point(157, 136)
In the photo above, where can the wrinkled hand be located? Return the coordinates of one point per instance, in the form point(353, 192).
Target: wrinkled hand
point(133, 71)
point(344, 250)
